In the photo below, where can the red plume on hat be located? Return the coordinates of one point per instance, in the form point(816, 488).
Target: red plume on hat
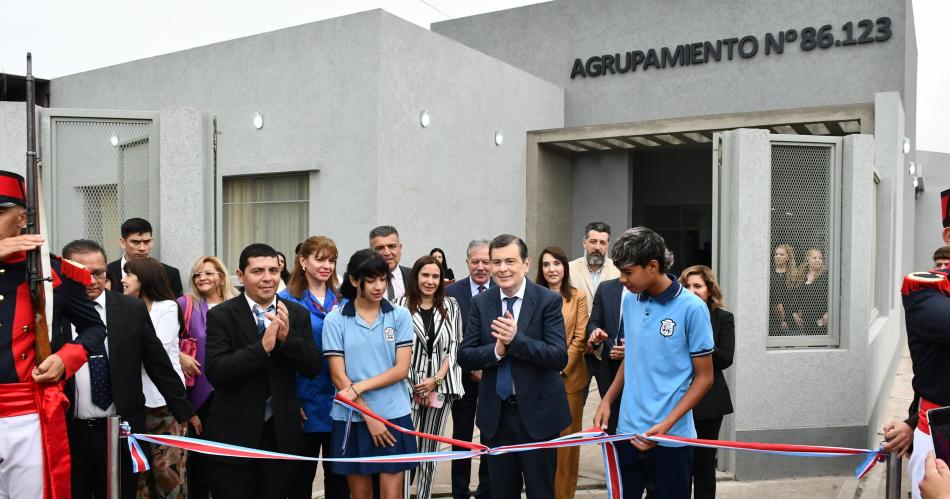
point(13, 190)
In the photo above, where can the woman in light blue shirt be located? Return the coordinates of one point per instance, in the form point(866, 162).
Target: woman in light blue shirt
point(368, 344)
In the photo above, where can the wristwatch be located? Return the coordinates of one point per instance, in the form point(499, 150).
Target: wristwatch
point(438, 381)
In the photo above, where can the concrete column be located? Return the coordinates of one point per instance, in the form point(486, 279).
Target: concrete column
point(13, 137)
point(186, 223)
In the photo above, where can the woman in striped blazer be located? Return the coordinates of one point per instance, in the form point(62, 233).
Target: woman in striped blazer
point(434, 373)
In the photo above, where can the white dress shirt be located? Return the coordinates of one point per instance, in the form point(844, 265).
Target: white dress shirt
point(399, 287)
point(85, 409)
point(268, 408)
point(474, 286)
point(164, 315)
point(516, 308)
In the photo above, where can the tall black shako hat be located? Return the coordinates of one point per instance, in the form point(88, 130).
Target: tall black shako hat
point(13, 190)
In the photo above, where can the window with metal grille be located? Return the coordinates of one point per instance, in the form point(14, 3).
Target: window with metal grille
point(101, 175)
point(271, 209)
point(803, 228)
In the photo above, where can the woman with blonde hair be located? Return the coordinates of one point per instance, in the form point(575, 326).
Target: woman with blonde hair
point(313, 285)
point(811, 310)
point(209, 286)
point(783, 280)
point(708, 413)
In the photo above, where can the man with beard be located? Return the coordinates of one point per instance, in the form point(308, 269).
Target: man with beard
point(588, 271)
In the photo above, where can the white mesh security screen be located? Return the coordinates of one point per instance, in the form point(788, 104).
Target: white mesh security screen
point(802, 234)
point(101, 171)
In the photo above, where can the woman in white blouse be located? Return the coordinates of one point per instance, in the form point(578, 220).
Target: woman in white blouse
point(146, 279)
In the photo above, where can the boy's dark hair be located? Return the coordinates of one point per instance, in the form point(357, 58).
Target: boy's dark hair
point(82, 246)
point(639, 245)
point(942, 253)
point(253, 251)
point(506, 239)
point(135, 226)
point(363, 265)
point(383, 231)
point(596, 226)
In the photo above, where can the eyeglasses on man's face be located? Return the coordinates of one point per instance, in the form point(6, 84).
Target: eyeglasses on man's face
point(207, 274)
point(98, 274)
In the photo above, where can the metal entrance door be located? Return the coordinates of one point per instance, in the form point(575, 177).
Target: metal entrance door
point(100, 168)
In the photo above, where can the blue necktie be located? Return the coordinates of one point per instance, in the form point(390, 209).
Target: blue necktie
point(99, 382)
point(503, 382)
point(260, 317)
point(268, 408)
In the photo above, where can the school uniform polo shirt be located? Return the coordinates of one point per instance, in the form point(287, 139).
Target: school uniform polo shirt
point(368, 350)
point(663, 334)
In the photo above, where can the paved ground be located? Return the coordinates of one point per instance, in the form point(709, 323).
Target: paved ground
point(591, 479)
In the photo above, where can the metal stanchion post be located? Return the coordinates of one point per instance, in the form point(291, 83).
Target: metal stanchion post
point(112, 457)
point(892, 485)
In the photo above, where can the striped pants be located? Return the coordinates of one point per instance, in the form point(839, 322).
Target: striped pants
point(427, 420)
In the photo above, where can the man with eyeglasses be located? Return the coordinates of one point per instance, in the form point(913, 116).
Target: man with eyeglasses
point(137, 242)
point(385, 241)
point(463, 410)
point(111, 382)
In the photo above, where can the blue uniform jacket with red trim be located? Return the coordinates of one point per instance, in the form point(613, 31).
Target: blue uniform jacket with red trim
point(17, 327)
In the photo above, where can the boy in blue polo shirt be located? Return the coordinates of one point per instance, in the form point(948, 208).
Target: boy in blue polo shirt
point(667, 367)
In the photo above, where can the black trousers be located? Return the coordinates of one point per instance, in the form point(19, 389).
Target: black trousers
point(198, 472)
point(87, 450)
point(669, 468)
point(253, 478)
point(334, 485)
point(534, 469)
point(704, 460)
point(463, 428)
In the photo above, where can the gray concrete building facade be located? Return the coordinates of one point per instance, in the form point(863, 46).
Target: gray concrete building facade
point(730, 128)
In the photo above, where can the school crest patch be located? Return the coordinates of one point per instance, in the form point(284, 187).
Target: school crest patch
point(390, 333)
point(666, 327)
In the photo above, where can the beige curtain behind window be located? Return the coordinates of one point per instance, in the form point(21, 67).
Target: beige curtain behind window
point(265, 209)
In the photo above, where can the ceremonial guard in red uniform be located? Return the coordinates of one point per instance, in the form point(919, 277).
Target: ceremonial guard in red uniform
point(926, 297)
point(34, 449)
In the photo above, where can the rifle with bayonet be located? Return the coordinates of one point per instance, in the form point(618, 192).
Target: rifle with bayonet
point(35, 275)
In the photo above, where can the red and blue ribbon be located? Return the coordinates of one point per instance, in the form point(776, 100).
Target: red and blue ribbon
point(591, 436)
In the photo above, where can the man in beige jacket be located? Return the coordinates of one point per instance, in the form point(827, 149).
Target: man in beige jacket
point(588, 271)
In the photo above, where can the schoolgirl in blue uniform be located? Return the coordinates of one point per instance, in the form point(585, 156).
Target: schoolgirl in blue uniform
point(368, 345)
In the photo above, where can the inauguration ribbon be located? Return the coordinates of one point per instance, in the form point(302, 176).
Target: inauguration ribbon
point(590, 436)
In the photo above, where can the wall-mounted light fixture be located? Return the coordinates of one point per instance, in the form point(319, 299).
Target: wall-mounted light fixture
point(912, 169)
point(424, 118)
point(499, 137)
point(919, 181)
point(114, 140)
point(258, 120)
point(906, 145)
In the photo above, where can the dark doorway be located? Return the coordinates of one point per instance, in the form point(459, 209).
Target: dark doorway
point(672, 194)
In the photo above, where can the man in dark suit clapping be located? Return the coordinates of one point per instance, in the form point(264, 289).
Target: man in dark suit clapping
point(463, 410)
point(110, 384)
point(515, 336)
point(257, 343)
